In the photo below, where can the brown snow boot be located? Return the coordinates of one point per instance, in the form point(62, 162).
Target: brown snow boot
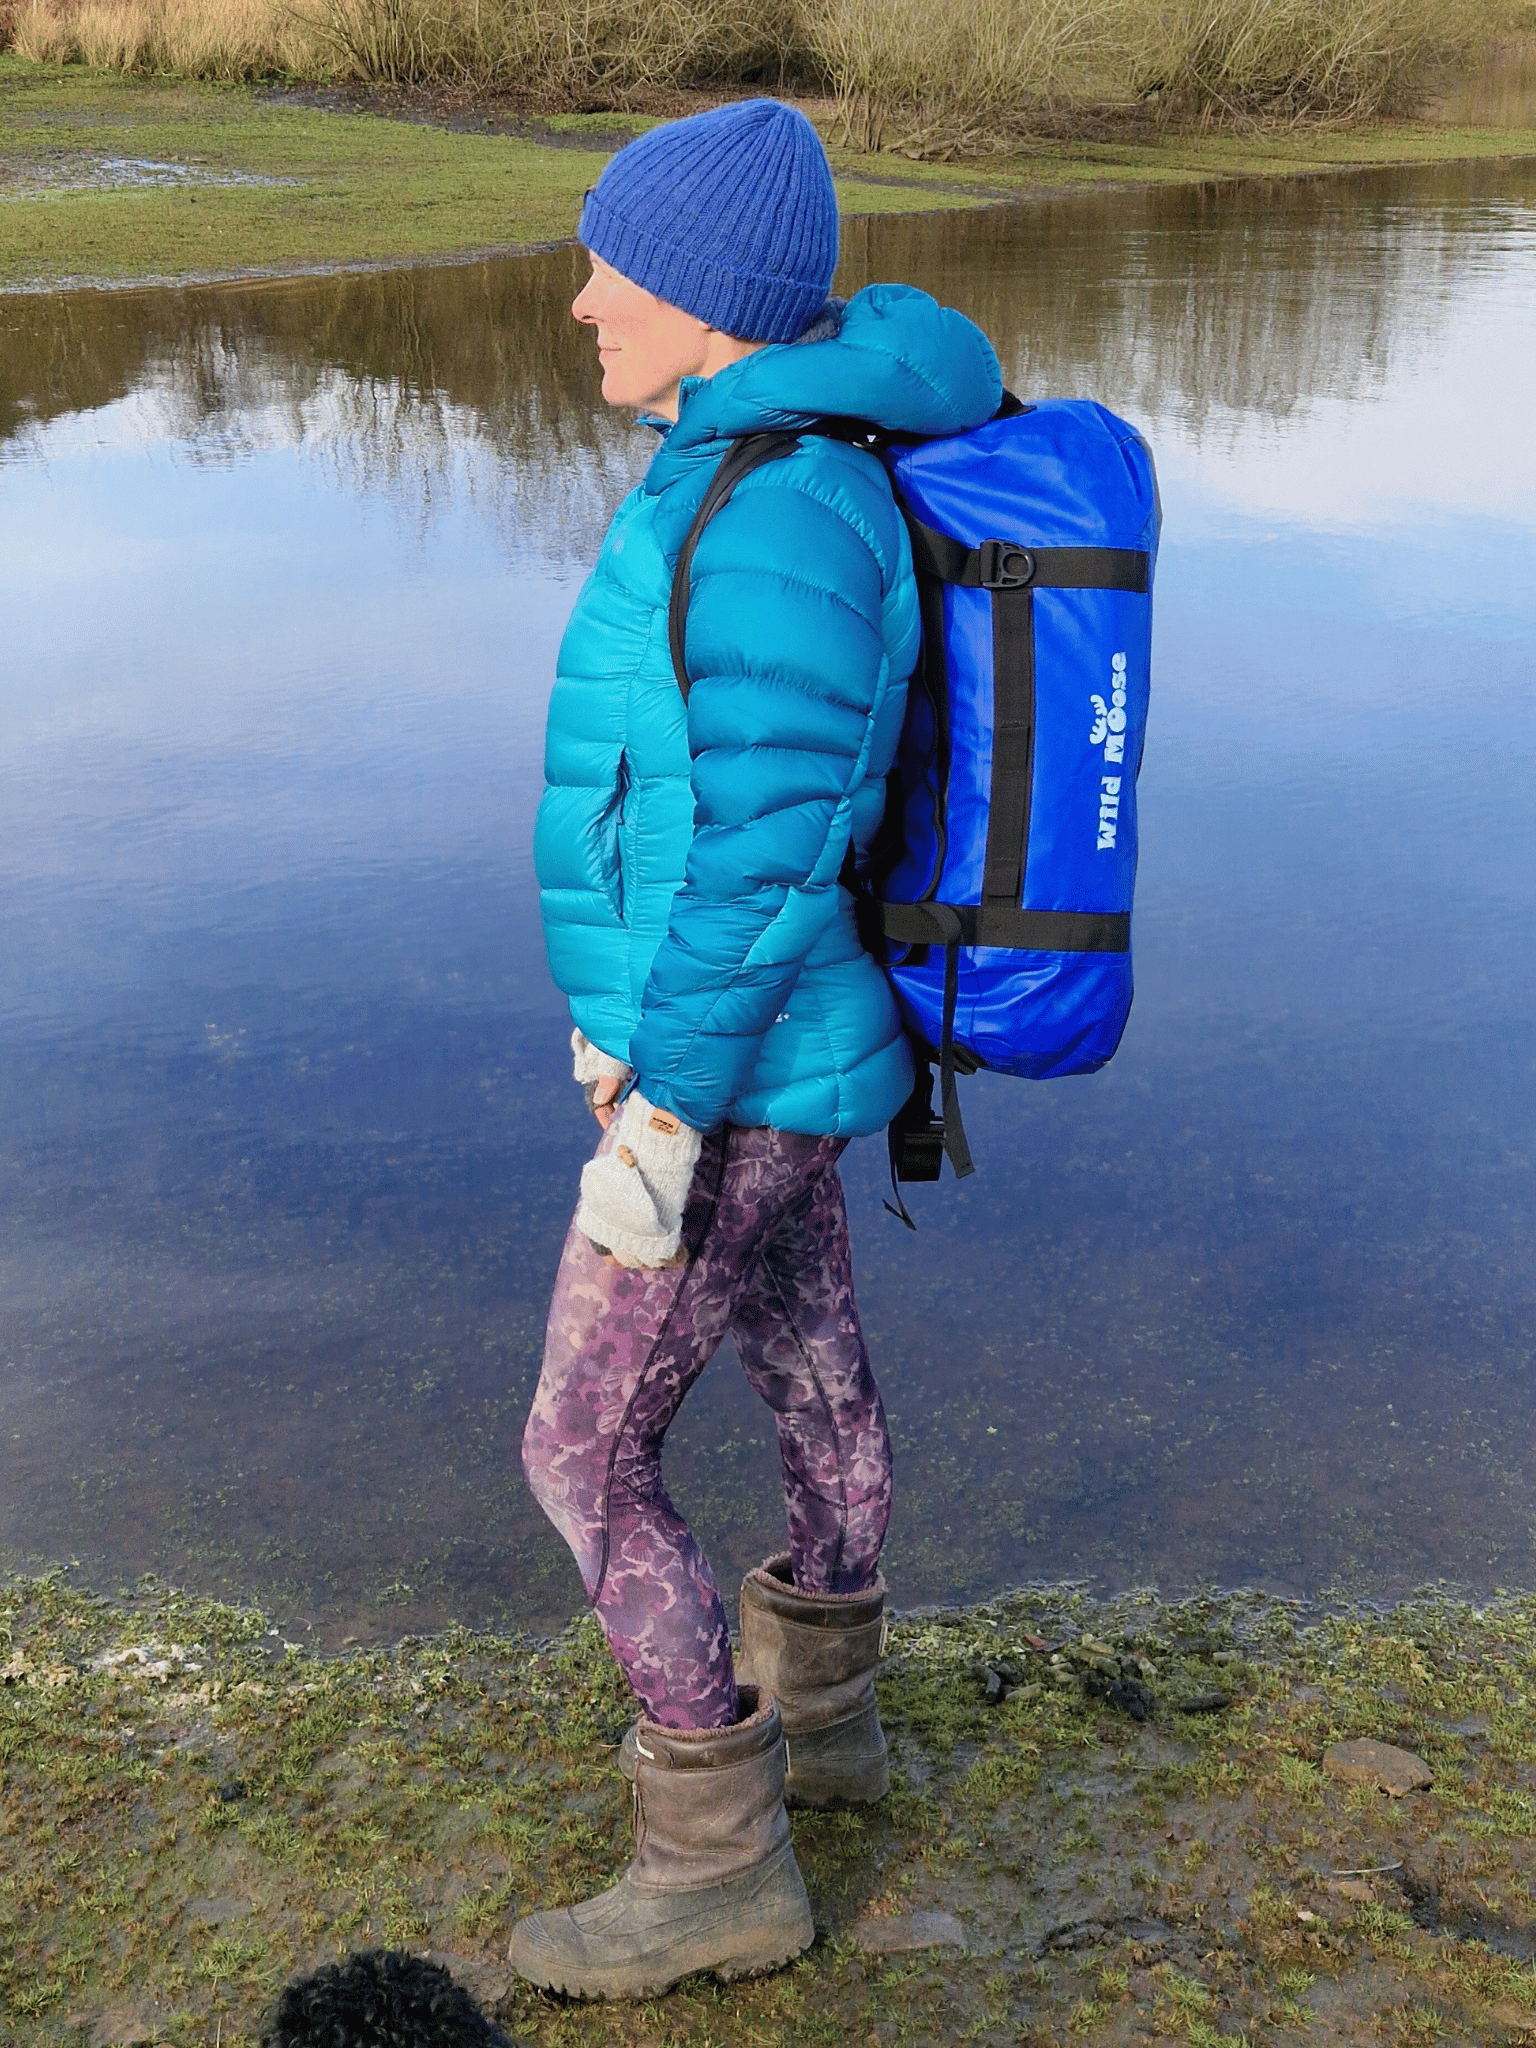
point(816, 1653)
point(714, 1884)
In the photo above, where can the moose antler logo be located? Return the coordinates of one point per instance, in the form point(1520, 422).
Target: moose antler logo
point(1109, 719)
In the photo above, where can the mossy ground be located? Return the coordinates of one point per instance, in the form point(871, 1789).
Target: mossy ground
point(191, 1809)
point(283, 186)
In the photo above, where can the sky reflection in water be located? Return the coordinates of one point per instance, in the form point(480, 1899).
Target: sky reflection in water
point(286, 1146)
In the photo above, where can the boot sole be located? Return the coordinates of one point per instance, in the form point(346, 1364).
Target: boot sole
point(651, 1984)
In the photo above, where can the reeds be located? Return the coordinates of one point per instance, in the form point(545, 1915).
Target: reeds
point(1348, 59)
point(936, 81)
point(913, 75)
point(578, 53)
point(220, 39)
point(570, 53)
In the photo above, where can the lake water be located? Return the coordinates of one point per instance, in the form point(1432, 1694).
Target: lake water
point(287, 1145)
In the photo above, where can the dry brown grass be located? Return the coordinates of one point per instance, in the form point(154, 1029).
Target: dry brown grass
point(578, 53)
point(904, 74)
point(939, 82)
point(221, 39)
point(582, 53)
point(1349, 59)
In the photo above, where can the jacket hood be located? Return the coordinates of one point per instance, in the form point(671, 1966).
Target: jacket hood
point(896, 358)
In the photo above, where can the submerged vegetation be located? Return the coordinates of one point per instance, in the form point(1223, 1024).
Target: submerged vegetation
point(892, 74)
point(193, 1808)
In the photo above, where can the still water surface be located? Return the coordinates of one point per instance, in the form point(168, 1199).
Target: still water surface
point(286, 1142)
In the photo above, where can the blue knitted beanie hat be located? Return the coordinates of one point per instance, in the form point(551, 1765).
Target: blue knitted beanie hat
point(730, 215)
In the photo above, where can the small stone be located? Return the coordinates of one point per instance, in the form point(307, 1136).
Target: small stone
point(1209, 1702)
point(1378, 1763)
point(990, 1681)
point(1067, 1935)
point(897, 1934)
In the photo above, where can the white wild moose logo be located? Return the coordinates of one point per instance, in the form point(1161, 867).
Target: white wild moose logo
point(1109, 733)
point(1109, 719)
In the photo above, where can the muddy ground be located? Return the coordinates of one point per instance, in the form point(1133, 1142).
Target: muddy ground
point(192, 1808)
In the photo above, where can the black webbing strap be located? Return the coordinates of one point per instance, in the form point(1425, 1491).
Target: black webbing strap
point(997, 924)
point(750, 452)
point(1013, 746)
point(1010, 565)
point(956, 1144)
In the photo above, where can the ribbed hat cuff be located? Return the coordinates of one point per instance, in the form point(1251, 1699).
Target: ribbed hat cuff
point(751, 308)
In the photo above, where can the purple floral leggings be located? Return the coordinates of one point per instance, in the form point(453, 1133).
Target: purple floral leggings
point(765, 1234)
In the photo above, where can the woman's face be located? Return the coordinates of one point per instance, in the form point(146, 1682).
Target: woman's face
point(647, 347)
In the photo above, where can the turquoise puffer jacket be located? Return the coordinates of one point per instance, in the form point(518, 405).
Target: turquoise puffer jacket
point(688, 855)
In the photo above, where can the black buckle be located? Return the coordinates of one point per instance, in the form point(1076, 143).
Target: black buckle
point(1005, 565)
point(916, 1134)
point(918, 1154)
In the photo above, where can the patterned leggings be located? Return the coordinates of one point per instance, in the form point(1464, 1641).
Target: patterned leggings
point(765, 1234)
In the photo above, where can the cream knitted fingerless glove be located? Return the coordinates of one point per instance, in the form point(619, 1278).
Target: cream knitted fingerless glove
point(590, 1065)
point(633, 1192)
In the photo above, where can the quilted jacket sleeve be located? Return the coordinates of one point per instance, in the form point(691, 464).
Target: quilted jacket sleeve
point(796, 585)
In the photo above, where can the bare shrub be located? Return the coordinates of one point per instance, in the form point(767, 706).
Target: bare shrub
point(581, 53)
point(1344, 58)
point(939, 82)
point(388, 40)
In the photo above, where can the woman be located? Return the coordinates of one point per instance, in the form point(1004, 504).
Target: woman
point(731, 1031)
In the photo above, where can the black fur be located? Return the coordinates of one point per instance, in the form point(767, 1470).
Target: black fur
point(380, 1999)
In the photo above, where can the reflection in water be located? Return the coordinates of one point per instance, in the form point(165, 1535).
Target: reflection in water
point(286, 1147)
point(1250, 297)
point(403, 381)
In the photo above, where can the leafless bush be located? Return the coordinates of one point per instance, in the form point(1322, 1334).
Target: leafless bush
point(1339, 58)
point(581, 53)
point(937, 82)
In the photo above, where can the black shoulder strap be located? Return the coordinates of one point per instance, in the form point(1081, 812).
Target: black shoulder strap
point(750, 452)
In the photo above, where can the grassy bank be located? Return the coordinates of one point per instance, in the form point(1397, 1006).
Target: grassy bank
point(192, 1808)
point(112, 178)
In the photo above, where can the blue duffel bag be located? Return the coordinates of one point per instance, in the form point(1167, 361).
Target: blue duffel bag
point(1000, 899)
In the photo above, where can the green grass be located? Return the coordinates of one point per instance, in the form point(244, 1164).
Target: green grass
point(356, 189)
point(360, 189)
